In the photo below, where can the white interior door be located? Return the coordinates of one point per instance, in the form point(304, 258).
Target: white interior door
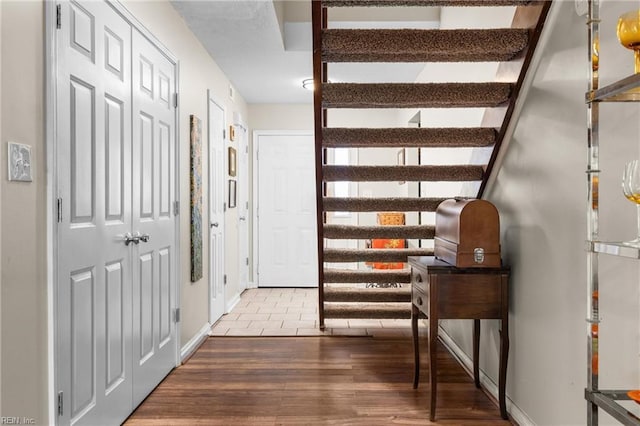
point(154, 267)
point(94, 269)
point(217, 180)
point(115, 178)
point(243, 206)
point(287, 251)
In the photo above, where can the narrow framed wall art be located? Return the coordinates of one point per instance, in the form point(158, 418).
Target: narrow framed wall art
point(196, 197)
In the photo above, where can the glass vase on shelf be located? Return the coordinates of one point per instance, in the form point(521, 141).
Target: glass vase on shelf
point(628, 31)
point(631, 190)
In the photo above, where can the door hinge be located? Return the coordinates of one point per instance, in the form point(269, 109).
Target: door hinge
point(225, 279)
point(60, 403)
point(175, 100)
point(224, 133)
point(176, 315)
point(176, 208)
point(247, 261)
point(59, 16)
point(59, 201)
point(246, 205)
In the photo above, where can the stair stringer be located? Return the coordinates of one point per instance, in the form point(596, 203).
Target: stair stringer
point(527, 83)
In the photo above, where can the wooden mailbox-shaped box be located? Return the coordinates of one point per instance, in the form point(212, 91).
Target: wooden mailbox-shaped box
point(468, 234)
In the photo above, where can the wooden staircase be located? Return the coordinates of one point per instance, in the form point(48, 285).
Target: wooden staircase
point(385, 294)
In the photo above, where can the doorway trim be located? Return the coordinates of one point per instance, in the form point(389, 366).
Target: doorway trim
point(50, 131)
point(50, 113)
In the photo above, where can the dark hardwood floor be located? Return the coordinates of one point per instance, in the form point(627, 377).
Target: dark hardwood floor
point(312, 381)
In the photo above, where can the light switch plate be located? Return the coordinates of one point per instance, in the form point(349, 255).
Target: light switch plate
point(19, 157)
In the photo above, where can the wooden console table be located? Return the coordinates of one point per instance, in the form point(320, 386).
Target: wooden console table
point(442, 291)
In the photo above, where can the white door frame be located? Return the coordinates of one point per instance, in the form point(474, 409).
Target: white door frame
point(52, 236)
point(255, 206)
point(51, 176)
point(222, 175)
point(242, 136)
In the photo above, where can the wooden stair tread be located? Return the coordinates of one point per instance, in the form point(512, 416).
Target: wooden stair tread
point(414, 45)
point(386, 231)
point(373, 255)
point(415, 95)
point(372, 311)
point(455, 173)
point(425, 3)
point(409, 137)
point(375, 276)
point(371, 294)
point(356, 204)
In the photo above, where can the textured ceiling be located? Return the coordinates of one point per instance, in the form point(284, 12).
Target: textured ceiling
point(264, 47)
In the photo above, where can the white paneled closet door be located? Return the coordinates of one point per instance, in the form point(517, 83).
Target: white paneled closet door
point(153, 156)
point(115, 332)
point(94, 190)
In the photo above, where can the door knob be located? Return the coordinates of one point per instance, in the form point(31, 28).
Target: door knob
point(144, 238)
point(214, 224)
point(128, 239)
point(243, 218)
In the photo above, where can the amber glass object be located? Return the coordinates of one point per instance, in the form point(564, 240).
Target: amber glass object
point(629, 34)
point(631, 190)
point(595, 55)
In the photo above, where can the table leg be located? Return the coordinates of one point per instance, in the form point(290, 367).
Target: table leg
point(433, 363)
point(416, 347)
point(504, 354)
point(504, 348)
point(476, 352)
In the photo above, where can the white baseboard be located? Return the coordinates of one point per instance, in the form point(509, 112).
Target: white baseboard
point(519, 416)
point(232, 304)
point(195, 342)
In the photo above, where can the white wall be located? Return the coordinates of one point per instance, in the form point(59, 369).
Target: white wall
point(0, 208)
point(280, 117)
point(198, 72)
point(540, 192)
point(23, 208)
point(23, 215)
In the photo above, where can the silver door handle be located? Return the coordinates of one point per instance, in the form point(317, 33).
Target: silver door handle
point(128, 239)
point(243, 218)
point(144, 238)
point(215, 224)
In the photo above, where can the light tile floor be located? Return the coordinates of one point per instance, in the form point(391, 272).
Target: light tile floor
point(294, 312)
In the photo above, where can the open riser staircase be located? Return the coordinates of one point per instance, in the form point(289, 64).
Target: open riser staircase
point(364, 290)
